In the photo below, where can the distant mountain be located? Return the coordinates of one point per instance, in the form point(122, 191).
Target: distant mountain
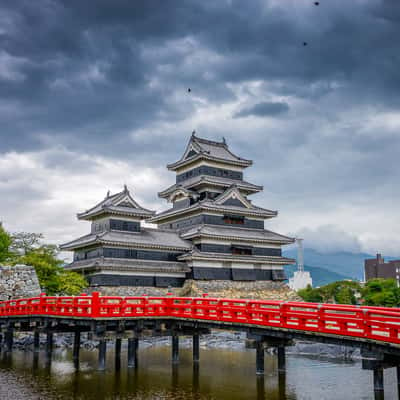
point(341, 262)
point(320, 276)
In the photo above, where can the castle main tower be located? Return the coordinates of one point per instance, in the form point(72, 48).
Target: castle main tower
point(211, 208)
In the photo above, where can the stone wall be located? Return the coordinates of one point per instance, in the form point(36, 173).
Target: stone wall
point(17, 282)
point(263, 290)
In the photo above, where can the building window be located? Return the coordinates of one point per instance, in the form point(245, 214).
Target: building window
point(242, 250)
point(233, 219)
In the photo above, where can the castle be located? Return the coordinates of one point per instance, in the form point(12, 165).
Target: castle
point(211, 232)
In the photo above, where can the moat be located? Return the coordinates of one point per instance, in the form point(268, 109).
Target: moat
point(226, 374)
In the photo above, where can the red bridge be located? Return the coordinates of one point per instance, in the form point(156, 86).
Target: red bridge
point(268, 323)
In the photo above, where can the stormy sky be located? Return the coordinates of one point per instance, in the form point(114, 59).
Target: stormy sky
point(93, 94)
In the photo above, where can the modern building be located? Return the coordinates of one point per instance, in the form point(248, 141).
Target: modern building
point(378, 268)
point(212, 231)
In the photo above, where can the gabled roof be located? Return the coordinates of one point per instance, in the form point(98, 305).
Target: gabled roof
point(121, 203)
point(236, 233)
point(146, 238)
point(210, 205)
point(199, 148)
point(216, 181)
point(232, 193)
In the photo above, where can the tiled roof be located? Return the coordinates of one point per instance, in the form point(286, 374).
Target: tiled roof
point(236, 233)
point(204, 148)
point(213, 181)
point(147, 237)
point(196, 254)
point(116, 204)
point(134, 265)
point(210, 205)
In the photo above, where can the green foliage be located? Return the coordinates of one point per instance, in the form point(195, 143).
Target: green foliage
point(27, 248)
point(310, 294)
point(376, 292)
point(381, 292)
point(71, 283)
point(341, 292)
point(5, 243)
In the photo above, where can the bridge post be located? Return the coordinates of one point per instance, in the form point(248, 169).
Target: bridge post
point(260, 357)
point(378, 379)
point(175, 347)
point(9, 337)
point(49, 342)
point(133, 345)
point(76, 346)
point(36, 340)
point(398, 379)
point(281, 358)
point(102, 354)
point(118, 342)
point(1, 340)
point(196, 348)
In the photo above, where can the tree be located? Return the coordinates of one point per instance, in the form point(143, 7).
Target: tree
point(310, 294)
point(381, 292)
point(25, 242)
point(71, 283)
point(27, 248)
point(5, 243)
point(341, 292)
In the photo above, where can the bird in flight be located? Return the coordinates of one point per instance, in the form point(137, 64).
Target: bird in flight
point(316, 3)
point(189, 90)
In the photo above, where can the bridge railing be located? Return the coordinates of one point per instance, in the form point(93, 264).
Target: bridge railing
point(378, 323)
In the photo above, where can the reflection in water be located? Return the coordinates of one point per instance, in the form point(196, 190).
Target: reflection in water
point(221, 374)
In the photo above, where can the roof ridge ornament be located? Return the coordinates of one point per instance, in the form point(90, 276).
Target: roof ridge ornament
point(125, 188)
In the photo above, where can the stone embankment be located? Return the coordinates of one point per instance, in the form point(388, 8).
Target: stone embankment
point(17, 282)
point(262, 290)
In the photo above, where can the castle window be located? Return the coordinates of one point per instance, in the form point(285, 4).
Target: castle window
point(242, 250)
point(233, 219)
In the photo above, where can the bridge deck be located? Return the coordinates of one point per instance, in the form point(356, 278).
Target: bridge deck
point(373, 325)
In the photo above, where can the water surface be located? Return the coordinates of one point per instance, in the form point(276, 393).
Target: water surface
point(222, 374)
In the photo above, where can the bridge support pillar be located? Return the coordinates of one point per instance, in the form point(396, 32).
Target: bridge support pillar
point(260, 352)
point(281, 358)
point(1, 340)
point(76, 346)
point(133, 345)
point(9, 338)
point(175, 347)
point(36, 341)
point(398, 379)
point(118, 343)
point(378, 379)
point(196, 348)
point(49, 342)
point(102, 354)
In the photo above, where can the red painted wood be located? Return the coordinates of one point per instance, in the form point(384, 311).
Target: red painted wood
point(378, 323)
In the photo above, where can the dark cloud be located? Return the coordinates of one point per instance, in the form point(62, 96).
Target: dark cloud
point(264, 109)
point(108, 79)
point(88, 75)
